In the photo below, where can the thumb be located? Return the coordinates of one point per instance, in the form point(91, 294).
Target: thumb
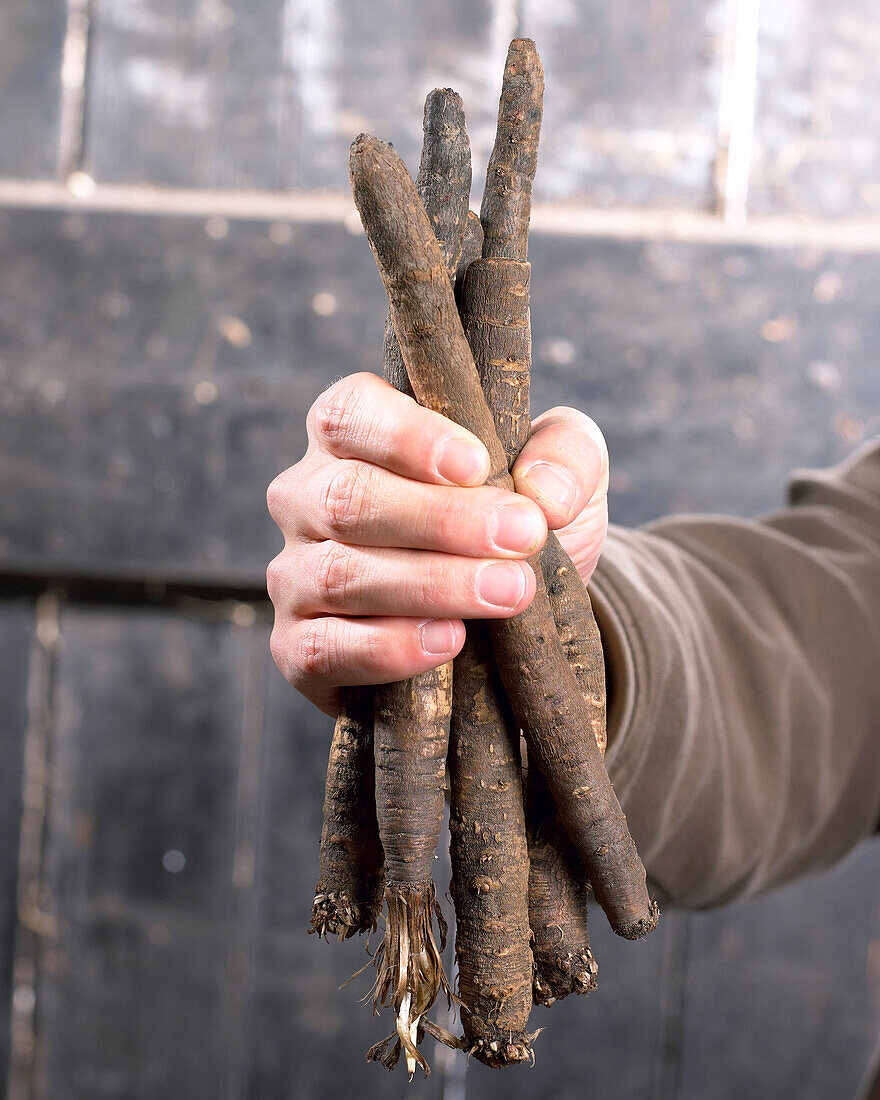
point(564, 465)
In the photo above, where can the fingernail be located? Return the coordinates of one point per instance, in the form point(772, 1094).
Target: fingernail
point(462, 462)
point(501, 584)
point(518, 528)
point(551, 485)
point(438, 636)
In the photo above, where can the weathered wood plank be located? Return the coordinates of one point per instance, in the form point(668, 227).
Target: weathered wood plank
point(713, 371)
point(16, 639)
point(31, 42)
point(631, 104)
point(370, 77)
point(782, 994)
point(139, 990)
point(174, 383)
point(178, 368)
point(191, 95)
point(816, 148)
point(270, 95)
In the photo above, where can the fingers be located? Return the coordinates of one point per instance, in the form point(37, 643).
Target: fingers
point(392, 539)
point(319, 655)
point(564, 465)
point(331, 578)
point(364, 417)
point(355, 502)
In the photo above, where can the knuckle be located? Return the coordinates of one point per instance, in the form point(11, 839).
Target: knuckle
point(317, 653)
point(275, 571)
point(332, 574)
point(345, 498)
point(276, 495)
point(336, 410)
point(284, 496)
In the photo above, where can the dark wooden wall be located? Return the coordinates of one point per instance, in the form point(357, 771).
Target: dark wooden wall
point(180, 275)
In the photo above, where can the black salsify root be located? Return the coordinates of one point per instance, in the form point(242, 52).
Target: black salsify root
point(634, 930)
point(498, 1047)
point(335, 914)
point(409, 970)
point(504, 1048)
point(571, 973)
point(497, 1051)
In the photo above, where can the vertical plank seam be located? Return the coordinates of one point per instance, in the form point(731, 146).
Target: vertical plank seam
point(247, 818)
point(309, 36)
point(74, 74)
point(667, 1081)
point(736, 109)
point(34, 922)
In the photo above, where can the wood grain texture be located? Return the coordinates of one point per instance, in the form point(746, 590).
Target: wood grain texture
point(631, 107)
point(31, 43)
point(145, 859)
point(816, 112)
point(188, 94)
point(269, 95)
point(712, 370)
point(151, 372)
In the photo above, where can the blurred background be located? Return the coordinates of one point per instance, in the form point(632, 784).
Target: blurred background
point(181, 272)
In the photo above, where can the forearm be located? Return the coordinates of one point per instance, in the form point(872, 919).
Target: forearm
point(744, 661)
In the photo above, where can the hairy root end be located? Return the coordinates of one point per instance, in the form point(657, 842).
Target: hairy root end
point(409, 970)
point(387, 1052)
point(507, 1048)
point(566, 974)
point(641, 927)
point(337, 915)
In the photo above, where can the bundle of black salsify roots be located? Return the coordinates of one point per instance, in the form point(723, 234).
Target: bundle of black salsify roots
point(528, 845)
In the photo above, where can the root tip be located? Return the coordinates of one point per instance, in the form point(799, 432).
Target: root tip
point(504, 1049)
point(566, 974)
point(641, 927)
point(335, 915)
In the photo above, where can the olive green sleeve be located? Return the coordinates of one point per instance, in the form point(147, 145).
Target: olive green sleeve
point(744, 668)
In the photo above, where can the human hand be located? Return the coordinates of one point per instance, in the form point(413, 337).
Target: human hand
point(391, 539)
